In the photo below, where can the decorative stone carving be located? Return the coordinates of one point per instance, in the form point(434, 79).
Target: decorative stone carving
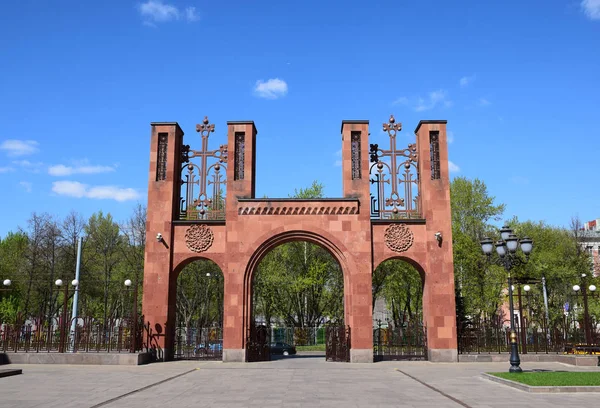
point(398, 237)
point(294, 209)
point(199, 238)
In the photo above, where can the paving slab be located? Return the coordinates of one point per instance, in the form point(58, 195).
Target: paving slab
point(303, 381)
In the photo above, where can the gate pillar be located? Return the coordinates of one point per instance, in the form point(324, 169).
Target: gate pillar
point(357, 240)
point(439, 311)
point(158, 305)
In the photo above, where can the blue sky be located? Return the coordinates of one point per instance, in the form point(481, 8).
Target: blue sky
point(518, 82)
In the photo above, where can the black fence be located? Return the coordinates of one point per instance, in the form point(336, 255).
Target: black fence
point(198, 343)
point(493, 336)
point(338, 341)
point(78, 335)
point(408, 342)
point(258, 344)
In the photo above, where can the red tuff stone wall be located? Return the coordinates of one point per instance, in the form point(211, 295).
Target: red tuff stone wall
point(343, 226)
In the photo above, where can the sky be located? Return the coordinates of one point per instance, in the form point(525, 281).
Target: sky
point(518, 82)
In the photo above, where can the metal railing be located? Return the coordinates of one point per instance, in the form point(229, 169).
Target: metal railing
point(400, 343)
point(91, 335)
point(490, 336)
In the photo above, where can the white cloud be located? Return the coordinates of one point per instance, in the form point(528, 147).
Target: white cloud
point(466, 80)
point(338, 160)
point(591, 8)
point(484, 102)
point(191, 14)
point(62, 170)
point(26, 185)
point(15, 147)
point(453, 168)
point(6, 169)
point(271, 89)
point(450, 136)
point(31, 167)
point(434, 98)
point(155, 11)
point(79, 190)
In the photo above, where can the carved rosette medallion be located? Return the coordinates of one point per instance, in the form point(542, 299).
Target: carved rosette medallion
point(398, 237)
point(199, 238)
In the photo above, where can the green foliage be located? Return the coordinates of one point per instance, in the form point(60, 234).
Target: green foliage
point(46, 250)
point(316, 190)
point(299, 284)
point(401, 285)
point(200, 295)
point(478, 284)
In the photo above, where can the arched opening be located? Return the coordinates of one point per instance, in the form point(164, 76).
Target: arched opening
point(199, 311)
point(296, 296)
point(398, 329)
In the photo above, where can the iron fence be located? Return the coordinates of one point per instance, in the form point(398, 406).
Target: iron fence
point(408, 342)
point(493, 336)
point(338, 343)
point(90, 335)
point(258, 344)
point(199, 343)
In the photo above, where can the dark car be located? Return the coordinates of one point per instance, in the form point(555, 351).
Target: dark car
point(282, 348)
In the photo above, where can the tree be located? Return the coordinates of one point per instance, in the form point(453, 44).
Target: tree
point(477, 284)
point(104, 249)
point(401, 285)
point(200, 295)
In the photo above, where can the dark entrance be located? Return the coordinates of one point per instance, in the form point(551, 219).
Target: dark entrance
point(258, 344)
point(338, 343)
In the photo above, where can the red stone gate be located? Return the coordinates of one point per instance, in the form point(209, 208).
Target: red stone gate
point(190, 217)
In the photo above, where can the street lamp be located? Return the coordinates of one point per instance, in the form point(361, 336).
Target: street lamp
point(63, 326)
point(128, 284)
point(586, 313)
point(506, 248)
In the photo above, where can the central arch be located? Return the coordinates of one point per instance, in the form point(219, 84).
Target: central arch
point(270, 241)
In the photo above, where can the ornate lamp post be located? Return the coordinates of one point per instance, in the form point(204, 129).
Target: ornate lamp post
point(586, 314)
point(63, 326)
point(133, 316)
point(506, 248)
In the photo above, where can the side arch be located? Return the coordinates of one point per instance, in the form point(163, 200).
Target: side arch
point(412, 262)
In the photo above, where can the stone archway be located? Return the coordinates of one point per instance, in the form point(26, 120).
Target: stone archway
point(272, 241)
point(209, 209)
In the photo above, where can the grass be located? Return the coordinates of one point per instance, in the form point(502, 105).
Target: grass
point(553, 378)
point(318, 347)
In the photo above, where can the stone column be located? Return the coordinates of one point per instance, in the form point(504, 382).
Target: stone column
point(357, 238)
point(439, 310)
point(163, 203)
point(241, 165)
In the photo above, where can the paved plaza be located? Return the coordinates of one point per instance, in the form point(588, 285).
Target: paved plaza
point(303, 381)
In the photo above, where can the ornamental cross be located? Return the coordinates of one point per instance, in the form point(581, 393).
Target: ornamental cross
point(394, 200)
point(205, 129)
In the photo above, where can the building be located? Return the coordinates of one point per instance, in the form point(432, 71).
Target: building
point(590, 241)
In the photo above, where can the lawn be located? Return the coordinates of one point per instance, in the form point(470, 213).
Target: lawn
point(318, 347)
point(553, 378)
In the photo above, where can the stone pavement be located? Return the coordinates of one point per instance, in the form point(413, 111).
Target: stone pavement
point(304, 381)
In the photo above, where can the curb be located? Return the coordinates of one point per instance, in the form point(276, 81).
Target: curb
point(542, 389)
